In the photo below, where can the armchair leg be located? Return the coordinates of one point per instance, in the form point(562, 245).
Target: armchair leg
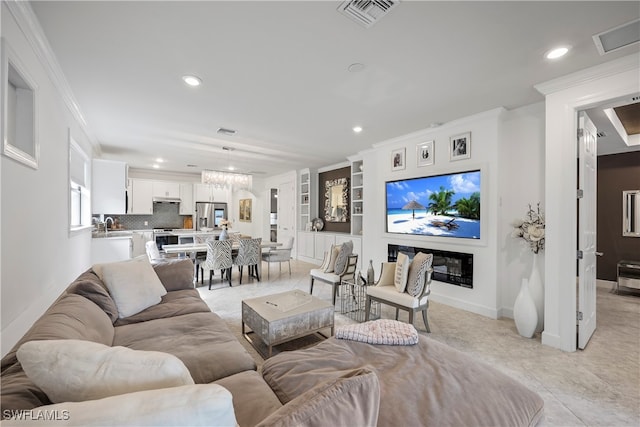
point(289, 267)
point(397, 314)
point(335, 292)
point(311, 287)
point(411, 317)
point(426, 321)
point(367, 308)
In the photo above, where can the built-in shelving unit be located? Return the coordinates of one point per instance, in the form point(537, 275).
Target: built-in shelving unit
point(306, 202)
point(357, 196)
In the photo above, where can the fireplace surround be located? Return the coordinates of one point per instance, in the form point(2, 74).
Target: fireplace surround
point(455, 268)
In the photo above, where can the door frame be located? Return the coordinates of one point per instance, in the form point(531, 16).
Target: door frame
point(564, 98)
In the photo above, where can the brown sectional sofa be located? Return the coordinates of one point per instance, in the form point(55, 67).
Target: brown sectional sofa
point(337, 382)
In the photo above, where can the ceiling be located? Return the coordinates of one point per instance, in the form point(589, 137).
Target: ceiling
point(277, 72)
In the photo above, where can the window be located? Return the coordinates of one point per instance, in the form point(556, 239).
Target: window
point(79, 184)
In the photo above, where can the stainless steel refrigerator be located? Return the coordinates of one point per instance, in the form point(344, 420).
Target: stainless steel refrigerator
point(209, 215)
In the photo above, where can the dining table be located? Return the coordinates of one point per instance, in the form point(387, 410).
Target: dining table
point(192, 249)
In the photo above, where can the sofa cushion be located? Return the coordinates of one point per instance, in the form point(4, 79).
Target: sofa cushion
point(89, 285)
point(189, 405)
point(417, 272)
point(175, 274)
point(352, 399)
point(402, 272)
point(71, 316)
point(428, 384)
point(133, 285)
point(201, 340)
point(253, 399)
point(174, 303)
point(343, 255)
point(76, 370)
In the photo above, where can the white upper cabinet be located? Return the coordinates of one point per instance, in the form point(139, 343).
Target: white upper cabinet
point(186, 199)
point(209, 193)
point(166, 189)
point(109, 183)
point(141, 198)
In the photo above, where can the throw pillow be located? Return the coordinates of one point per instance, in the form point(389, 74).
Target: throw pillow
point(189, 405)
point(402, 271)
point(334, 251)
point(416, 280)
point(387, 275)
point(133, 285)
point(175, 274)
point(343, 257)
point(353, 399)
point(76, 370)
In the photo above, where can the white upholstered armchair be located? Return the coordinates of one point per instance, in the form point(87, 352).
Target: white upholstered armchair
point(405, 285)
point(339, 264)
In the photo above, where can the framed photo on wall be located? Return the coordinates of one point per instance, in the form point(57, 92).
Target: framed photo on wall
point(424, 153)
point(460, 146)
point(398, 159)
point(245, 210)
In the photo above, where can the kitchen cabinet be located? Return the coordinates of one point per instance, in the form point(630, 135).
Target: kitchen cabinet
point(209, 193)
point(110, 249)
point(166, 189)
point(141, 199)
point(108, 186)
point(187, 207)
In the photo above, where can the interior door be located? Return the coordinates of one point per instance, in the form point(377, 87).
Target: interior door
point(587, 175)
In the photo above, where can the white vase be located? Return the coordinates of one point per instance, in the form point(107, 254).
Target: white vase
point(223, 235)
point(537, 292)
point(525, 314)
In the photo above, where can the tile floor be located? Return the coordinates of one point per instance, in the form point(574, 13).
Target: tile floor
point(599, 386)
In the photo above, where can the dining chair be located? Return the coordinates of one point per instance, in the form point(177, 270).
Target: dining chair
point(249, 255)
point(152, 251)
point(279, 255)
point(218, 258)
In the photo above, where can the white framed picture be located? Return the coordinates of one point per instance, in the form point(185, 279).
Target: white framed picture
point(424, 153)
point(460, 146)
point(398, 159)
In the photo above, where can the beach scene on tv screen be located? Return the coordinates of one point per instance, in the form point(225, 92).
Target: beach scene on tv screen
point(443, 205)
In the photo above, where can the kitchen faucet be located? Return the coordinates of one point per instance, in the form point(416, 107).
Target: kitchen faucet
point(106, 221)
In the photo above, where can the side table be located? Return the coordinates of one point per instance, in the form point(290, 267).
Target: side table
point(353, 297)
point(628, 275)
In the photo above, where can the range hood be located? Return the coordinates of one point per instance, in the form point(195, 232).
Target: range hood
point(166, 200)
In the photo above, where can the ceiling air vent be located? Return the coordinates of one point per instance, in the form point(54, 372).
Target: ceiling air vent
point(225, 131)
point(601, 134)
point(618, 37)
point(366, 12)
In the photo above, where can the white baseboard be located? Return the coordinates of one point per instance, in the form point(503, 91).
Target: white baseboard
point(464, 305)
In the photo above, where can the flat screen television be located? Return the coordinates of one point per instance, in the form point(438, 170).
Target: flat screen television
point(445, 205)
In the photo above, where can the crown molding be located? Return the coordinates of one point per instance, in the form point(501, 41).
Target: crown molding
point(607, 69)
point(30, 26)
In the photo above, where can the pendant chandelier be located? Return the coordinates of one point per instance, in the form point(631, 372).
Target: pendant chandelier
point(222, 179)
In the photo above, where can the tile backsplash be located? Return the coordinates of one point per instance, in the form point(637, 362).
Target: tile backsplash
point(164, 215)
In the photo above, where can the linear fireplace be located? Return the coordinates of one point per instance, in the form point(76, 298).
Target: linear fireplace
point(449, 267)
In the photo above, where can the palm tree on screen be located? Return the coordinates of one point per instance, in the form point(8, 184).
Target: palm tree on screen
point(441, 201)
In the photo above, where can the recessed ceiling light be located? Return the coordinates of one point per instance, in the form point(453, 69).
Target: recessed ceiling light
point(557, 52)
point(356, 67)
point(357, 129)
point(159, 160)
point(156, 166)
point(192, 80)
point(231, 168)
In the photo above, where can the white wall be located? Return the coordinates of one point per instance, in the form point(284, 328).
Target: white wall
point(521, 182)
point(39, 258)
point(485, 133)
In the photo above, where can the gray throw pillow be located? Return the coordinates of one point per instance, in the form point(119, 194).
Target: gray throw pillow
point(417, 271)
point(343, 256)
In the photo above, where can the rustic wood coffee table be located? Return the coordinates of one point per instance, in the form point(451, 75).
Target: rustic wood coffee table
point(283, 317)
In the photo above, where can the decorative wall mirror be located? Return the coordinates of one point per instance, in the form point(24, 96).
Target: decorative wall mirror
point(631, 213)
point(19, 106)
point(336, 200)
